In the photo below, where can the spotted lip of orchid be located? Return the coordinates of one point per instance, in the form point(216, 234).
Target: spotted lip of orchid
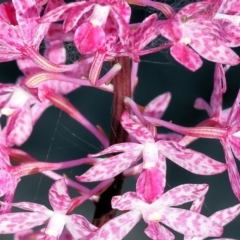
point(60, 201)
point(162, 210)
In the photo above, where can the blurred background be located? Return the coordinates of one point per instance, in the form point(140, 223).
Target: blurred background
point(56, 137)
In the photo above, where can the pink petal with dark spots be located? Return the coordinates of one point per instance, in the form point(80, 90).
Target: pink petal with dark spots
point(27, 12)
point(79, 226)
point(120, 147)
point(182, 194)
point(225, 216)
point(118, 227)
point(127, 201)
point(158, 105)
point(29, 206)
point(59, 13)
point(186, 56)
point(59, 197)
point(6, 180)
point(4, 159)
point(72, 19)
point(15, 222)
point(190, 223)
point(219, 89)
point(156, 231)
point(136, 129)
point(191, 160)
point(233, 173)
point(218, 51)
point(197, 204)
point(110, 167)
point(19, 126)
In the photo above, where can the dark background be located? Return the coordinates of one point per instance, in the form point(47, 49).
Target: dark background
point(56, 137)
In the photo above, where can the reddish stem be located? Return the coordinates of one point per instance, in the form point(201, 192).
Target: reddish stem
point(122, 89)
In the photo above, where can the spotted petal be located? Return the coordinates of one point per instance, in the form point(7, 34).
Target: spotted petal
point(118, 227)
point(190, 223)
point(225, 216)
point(79, 226)
point(191, 160)
point(233, 173)
point(186, 56)
point(59, 197)
point(120, 147)
point(15, 222)
point(157, 232)
point(19, 126)
point(136, 129)
point(110, 167)
point(158, 105)
point(182, 194)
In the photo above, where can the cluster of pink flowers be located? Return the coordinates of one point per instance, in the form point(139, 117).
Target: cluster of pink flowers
point(101, 31)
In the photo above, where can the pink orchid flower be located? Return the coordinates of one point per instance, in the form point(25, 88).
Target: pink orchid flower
point(90, 35)
point(223, 119)
point(151, 153)
point(61, 203)
point(162, 210)
point(190, 26)
point(98, 25)
point(21, 34)
point(222, 124)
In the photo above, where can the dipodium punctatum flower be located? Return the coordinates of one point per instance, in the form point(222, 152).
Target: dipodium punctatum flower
point(226, 120)
point(149, 150)
point(162, 211)
point(193, 27)
point(61, 203)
